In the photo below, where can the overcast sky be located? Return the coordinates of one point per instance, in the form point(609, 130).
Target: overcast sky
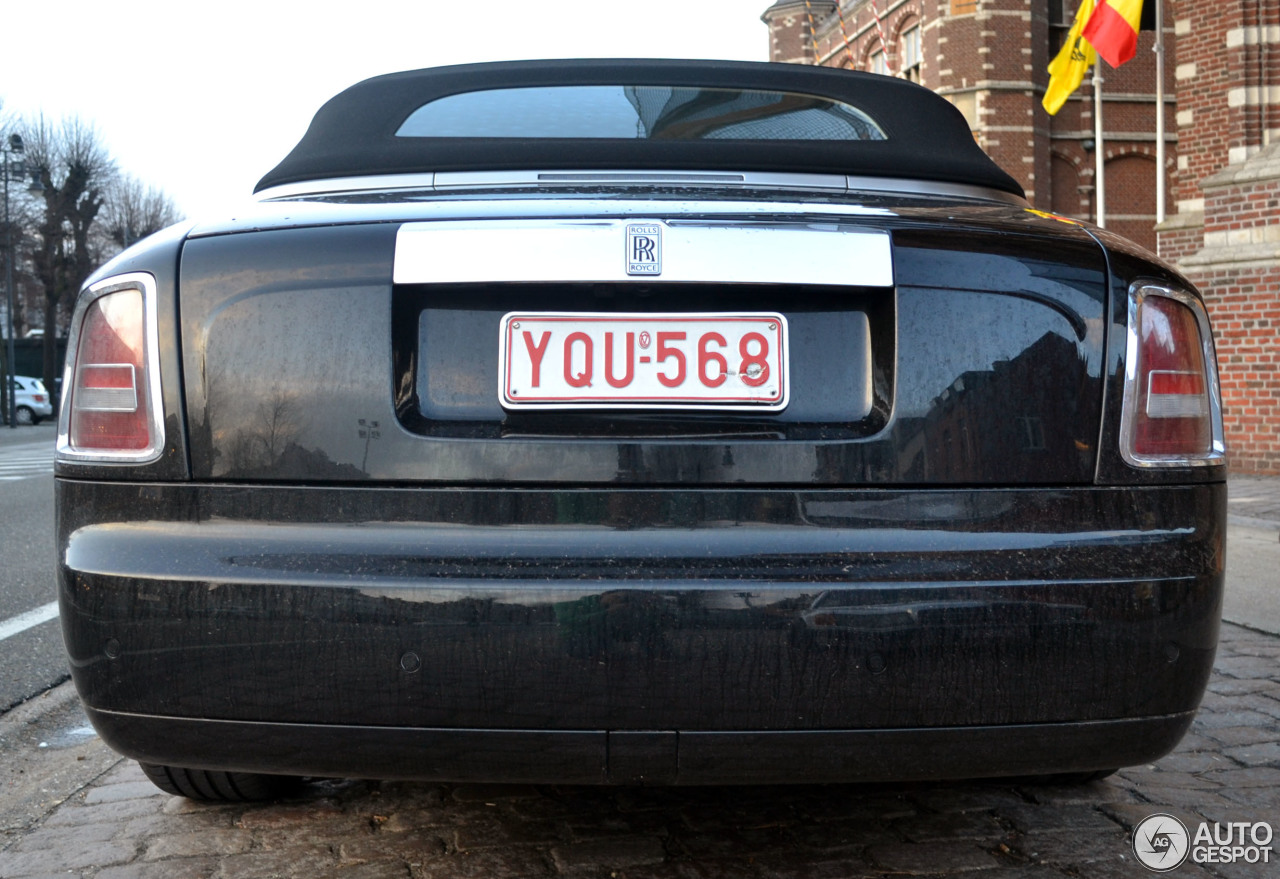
point(202, 100)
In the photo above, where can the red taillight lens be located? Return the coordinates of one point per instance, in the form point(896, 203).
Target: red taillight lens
point(109, 406)
point(1171, 413)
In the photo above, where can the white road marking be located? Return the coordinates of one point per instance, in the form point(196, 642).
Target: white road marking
point(24, 621)
point(25, 461)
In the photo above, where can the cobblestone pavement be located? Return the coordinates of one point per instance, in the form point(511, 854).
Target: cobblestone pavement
point(1227, 769)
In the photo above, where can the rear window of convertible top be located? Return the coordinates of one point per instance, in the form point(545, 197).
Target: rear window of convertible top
point(641, 112)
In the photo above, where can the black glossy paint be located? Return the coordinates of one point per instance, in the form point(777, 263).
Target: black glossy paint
point(303, 362)
point(368, 568)
point(641, 610)
point(612, 757)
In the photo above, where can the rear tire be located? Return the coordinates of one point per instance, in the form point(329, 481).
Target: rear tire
point(25, 415)
point(212, 786)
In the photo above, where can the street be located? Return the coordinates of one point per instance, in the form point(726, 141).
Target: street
point(31, 653)
point(68, 806)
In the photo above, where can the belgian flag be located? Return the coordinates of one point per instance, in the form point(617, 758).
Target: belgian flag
point(1113, 29)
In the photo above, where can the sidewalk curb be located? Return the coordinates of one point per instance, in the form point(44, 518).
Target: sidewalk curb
point(41, 704)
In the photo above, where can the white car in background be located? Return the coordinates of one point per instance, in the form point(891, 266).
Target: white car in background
point(32, 401)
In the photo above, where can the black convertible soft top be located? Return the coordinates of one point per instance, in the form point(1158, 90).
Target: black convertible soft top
point(355, 133)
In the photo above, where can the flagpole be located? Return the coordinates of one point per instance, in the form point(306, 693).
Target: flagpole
point(1100, 183)
point(1159, 50)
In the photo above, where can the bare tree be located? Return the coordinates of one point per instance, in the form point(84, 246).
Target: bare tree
point(76, 171)
point(21, 214)
point(278, 422)
point(134, 210)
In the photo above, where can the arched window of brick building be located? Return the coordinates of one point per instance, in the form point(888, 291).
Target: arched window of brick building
point(1131, 198)
point(912, 49)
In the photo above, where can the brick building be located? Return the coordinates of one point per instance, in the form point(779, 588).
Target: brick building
point(1225, 231)
point(989, 59)
point(1222, 87)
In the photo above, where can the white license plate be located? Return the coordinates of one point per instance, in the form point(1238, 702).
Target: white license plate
point(556, 360)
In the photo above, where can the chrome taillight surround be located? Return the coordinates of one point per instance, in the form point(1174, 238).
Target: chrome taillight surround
point(1215, 455)
point(150, 377)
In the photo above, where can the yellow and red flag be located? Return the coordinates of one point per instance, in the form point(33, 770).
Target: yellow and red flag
point(1066, 71)
point(1113, 29)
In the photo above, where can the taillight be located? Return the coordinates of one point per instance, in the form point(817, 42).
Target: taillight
point(1172, 410)
point(110, 406)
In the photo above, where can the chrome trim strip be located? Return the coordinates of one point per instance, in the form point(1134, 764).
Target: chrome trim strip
point(348, 186)
point(445, 207)
point(593, 250)
point(637, 177)
point(931, 189)
point(458, 180)
point(761, 179)
point(145, 283)
point(1138, 291)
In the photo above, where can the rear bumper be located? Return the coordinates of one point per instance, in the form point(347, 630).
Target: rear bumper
point(675, 636)
point(640, 757)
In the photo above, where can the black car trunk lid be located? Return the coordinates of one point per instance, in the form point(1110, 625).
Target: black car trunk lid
point(321, 354)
